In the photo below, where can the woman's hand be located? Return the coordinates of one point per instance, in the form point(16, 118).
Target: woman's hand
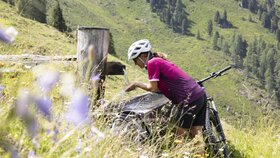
point(130, 87)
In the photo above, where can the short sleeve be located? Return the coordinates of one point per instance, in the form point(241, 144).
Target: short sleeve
point(153, 70)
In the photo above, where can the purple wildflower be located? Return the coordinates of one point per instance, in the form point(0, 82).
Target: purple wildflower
point(44, 104)
point(4, 37)
point(31, 154)
point(32, 125)
point(78, 110)
point(96, 77)
point(47, 80)
point(79, 146)
point(1, 88)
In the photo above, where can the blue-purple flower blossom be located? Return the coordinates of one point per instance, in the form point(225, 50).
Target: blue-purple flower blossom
point(1, 88)
point(4, 37)
point(96, 77)
point(31, 154)
point(44, 105)
point(47, 80)
point(78, 110)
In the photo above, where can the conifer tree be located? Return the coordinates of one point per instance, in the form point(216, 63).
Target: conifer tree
point(210, 28)
point(179, 13)
point(56, 19)
point(33, 9)
point(269, 80)
point(226, 48)
point(253, 6)
point(197, 36)
point(215, 41)
point(217, 17)
point(260, 12)
point(184, 27)
point(266, 20)
point(225, 15)
point(278, 35)
point(262, 67)
point(244, 3)
point(274, 23)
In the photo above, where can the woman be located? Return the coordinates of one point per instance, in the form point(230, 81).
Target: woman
point(176, 85)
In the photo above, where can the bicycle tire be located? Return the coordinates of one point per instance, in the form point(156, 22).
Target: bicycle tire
point(215, 138)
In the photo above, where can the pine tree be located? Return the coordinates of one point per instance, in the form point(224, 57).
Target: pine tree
point(184, 27)
point(153, 5)
point(215, 41)
point(253, 6)
point(210, 28)
point(262, 67)
point(217, 17)
point(266, 21)
point(278, 35)
point(225, 15)
point(226, 48)
point(33, 9)
point(274, 23)
point(56, 19)
point(179, 13)
point(269, 80)
point(197, 36)
point(260, 12)
point(244, 3)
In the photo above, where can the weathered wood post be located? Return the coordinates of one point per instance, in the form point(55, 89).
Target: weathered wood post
point(92, 51)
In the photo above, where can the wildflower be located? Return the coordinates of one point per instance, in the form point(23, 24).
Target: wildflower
point(47, 80)
point(78, 110)
point(35, 143)
point(79, 146)
point(96, 77)
point(31, 154)
point(1, 88)
point(142, 156)
point(44, 104)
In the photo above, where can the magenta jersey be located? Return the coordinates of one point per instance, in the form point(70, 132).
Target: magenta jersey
point(173, 82)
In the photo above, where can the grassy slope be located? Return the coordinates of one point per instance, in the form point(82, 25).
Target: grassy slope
point(131, 23)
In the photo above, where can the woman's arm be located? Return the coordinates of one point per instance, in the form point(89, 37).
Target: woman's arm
point(152, 86)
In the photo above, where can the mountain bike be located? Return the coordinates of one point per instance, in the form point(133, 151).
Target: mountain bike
point(213, 131)
point(138, 116)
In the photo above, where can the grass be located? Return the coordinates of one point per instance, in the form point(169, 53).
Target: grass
point(250, 133)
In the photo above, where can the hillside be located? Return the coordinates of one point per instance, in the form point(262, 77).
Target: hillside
point(132, 20)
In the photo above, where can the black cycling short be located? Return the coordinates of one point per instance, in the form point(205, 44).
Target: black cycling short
point(192, 114)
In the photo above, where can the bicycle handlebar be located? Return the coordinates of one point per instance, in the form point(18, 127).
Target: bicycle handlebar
point(214, 75)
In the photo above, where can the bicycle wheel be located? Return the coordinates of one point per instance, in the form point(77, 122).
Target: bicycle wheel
point(215, 138)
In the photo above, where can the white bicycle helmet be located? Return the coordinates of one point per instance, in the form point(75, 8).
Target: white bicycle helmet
point(138, 47)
